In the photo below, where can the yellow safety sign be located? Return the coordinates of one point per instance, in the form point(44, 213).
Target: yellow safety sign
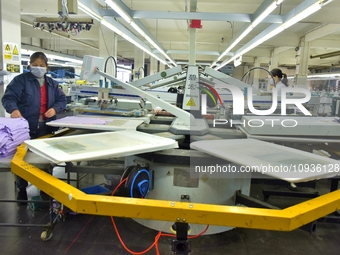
point(7, 52)
point(15, 50)
point(191, 102)
point(7, 47)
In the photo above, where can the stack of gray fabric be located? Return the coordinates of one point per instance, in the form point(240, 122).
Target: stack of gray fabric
point(13, 131)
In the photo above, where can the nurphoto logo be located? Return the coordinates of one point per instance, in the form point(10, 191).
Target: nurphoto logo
point(239, 98)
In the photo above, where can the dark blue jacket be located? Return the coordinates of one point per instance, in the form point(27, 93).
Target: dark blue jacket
point(23, 94)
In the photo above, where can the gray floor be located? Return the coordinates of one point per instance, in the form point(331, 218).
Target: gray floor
point(86, 234)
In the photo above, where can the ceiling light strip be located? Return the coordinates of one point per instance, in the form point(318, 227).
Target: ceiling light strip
point(128, 38)
point(289, 22)
point(27, 51)
point(129, 20)
point(256, 21)
point(89, 11)
point(115, 29)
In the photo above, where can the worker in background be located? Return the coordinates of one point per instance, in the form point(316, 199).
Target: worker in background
point(37, 98)
point(281, 80)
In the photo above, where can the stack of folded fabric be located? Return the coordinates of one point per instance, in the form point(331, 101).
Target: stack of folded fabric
point(13, 131)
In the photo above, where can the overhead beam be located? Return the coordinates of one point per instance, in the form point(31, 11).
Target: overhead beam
point(193, 5)
point(322, 31)
point(46, 8)
point(281, 49)
point(324, 43)
point(210, 53)
point(212, 16)
point(72, 20)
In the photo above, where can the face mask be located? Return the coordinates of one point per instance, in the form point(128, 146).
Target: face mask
point(38, 71)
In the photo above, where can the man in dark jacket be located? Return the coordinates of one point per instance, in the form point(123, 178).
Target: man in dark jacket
point(37, 98)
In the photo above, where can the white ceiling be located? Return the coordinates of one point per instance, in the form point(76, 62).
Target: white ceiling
point(221, 21)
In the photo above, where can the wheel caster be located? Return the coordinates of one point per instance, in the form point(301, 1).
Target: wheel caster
point(46, 235)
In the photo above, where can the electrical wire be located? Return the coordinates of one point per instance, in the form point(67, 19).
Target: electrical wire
point(126, 248)
point(210, 94)
point(213, 90)
point(143, 71)
point(155, 243)
point(79, 234)
point(262, 68)
point(115, 62)
point(117, 232)
point(108, 52)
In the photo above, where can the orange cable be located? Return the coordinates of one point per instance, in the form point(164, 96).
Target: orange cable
point(157, 237)
point(118, 235)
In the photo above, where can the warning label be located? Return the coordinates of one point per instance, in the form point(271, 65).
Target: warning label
point(191, 102)
point(11, 52)
point(7, 48)
point(7, 51)
point(15, 50)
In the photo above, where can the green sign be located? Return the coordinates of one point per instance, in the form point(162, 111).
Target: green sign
point(13, 68)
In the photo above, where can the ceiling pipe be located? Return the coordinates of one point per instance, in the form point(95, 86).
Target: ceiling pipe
point(326, 55)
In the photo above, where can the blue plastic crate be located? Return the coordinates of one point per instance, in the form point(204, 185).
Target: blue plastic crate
point(97, 189)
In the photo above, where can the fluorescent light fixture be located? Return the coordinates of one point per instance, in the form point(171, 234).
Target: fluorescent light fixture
point(73, 60)
point(300, 16)
point(89, 12)
point(289, 22)
point(238, 39)
point(320, 75)
point(111, 27)
point(137, 28)
point(117, 9)
point(272, 33)
point(29, 52)
point(329, 75)
point(257, 21)
point(129, 20)
point(238, 61)
point(152, 42)
point(154, 45)
point(60, 64)
point(52, 57)
point(266, 12)
point(128, 38)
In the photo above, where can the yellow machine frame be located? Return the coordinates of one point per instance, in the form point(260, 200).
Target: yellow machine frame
point(235, 216)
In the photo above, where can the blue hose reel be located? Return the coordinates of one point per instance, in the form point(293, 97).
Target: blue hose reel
point(138, 182)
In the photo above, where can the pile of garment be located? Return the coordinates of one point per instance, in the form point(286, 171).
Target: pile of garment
point(13, 131)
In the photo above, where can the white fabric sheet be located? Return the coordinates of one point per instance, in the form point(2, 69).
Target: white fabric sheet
point(98, 146)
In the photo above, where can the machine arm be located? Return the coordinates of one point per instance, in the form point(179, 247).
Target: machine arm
point(187, 117)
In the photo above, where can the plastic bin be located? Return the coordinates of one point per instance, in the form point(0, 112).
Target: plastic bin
point(97, 189)
point(38, 206)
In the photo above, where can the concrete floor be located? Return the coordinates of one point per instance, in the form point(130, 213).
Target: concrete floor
point(86, 234)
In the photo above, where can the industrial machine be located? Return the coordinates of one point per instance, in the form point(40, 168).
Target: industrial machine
point(192, 164)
